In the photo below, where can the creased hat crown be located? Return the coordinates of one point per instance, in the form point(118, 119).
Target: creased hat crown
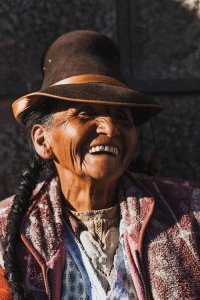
point(81, 52)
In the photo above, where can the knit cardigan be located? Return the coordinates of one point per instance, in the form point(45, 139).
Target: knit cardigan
point(161, 234)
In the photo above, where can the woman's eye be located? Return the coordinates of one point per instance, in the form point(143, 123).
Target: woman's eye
point(121, 115)
point(124, 116)
point(85, 114)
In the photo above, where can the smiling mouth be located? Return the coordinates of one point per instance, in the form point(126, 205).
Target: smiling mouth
point(103, 149)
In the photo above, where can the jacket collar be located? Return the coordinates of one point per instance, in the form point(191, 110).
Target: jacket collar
point(137, 206)
point(42, 233)
point(42, 226)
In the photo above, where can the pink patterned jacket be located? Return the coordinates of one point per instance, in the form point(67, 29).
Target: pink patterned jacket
point(161, 233)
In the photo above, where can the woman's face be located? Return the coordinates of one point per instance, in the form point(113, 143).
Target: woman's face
point(92, 140)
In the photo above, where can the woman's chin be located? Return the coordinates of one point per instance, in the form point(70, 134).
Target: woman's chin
point(105, 167)
point(107, 174)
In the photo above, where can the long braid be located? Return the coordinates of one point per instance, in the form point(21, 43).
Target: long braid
point(41, 114)
point(29, 178)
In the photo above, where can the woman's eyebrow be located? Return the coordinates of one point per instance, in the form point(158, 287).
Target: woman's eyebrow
point(87, 107)
point(83, 106)
point(70, 112)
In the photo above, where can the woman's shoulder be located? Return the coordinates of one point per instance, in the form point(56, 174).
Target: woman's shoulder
point(170, 188)
point(172, 181)
point(180, 194)
point(164, 181)
point(6, 203)
point(5, 206)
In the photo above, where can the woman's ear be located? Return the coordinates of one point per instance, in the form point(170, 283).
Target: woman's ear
point(41, 141)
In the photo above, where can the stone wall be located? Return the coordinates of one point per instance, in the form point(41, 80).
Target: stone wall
point(28, 28)
point(160, 46)
point(159, 43)
point(177, 135)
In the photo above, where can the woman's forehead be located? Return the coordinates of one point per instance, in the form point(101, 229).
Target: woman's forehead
point(65, 105)
point(66, 110)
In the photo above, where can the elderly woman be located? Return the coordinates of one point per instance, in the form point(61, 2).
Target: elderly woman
point(92, 229)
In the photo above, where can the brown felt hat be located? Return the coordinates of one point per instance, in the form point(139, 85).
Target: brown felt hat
point(84, 66)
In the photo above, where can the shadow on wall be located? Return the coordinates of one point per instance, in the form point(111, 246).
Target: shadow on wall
point(160, 44)
point(29, 28)
point(24, 36)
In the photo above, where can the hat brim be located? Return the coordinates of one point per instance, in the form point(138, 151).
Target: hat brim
point(143, 107)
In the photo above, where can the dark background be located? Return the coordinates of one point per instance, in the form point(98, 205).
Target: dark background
point(160, 54)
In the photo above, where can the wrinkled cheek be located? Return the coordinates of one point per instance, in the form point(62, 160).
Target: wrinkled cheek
point(76, 162)
point(86, 164)
point(72, 161)
point(96, 169)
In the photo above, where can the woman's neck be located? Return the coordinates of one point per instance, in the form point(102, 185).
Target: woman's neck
point(84, 194)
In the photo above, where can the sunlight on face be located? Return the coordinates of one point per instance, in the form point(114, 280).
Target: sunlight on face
point(92, 140)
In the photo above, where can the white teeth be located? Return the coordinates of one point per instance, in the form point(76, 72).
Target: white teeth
point(116, 151)
point(102, 148)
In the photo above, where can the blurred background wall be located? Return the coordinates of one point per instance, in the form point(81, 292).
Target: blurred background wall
point(160, 55)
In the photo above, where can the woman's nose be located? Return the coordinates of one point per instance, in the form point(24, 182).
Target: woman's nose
point(106, 125)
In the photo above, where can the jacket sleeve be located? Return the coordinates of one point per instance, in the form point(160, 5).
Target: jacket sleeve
point(5, 293)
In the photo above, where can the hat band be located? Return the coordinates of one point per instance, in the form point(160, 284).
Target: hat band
point(90, 78)
point(27, 101)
